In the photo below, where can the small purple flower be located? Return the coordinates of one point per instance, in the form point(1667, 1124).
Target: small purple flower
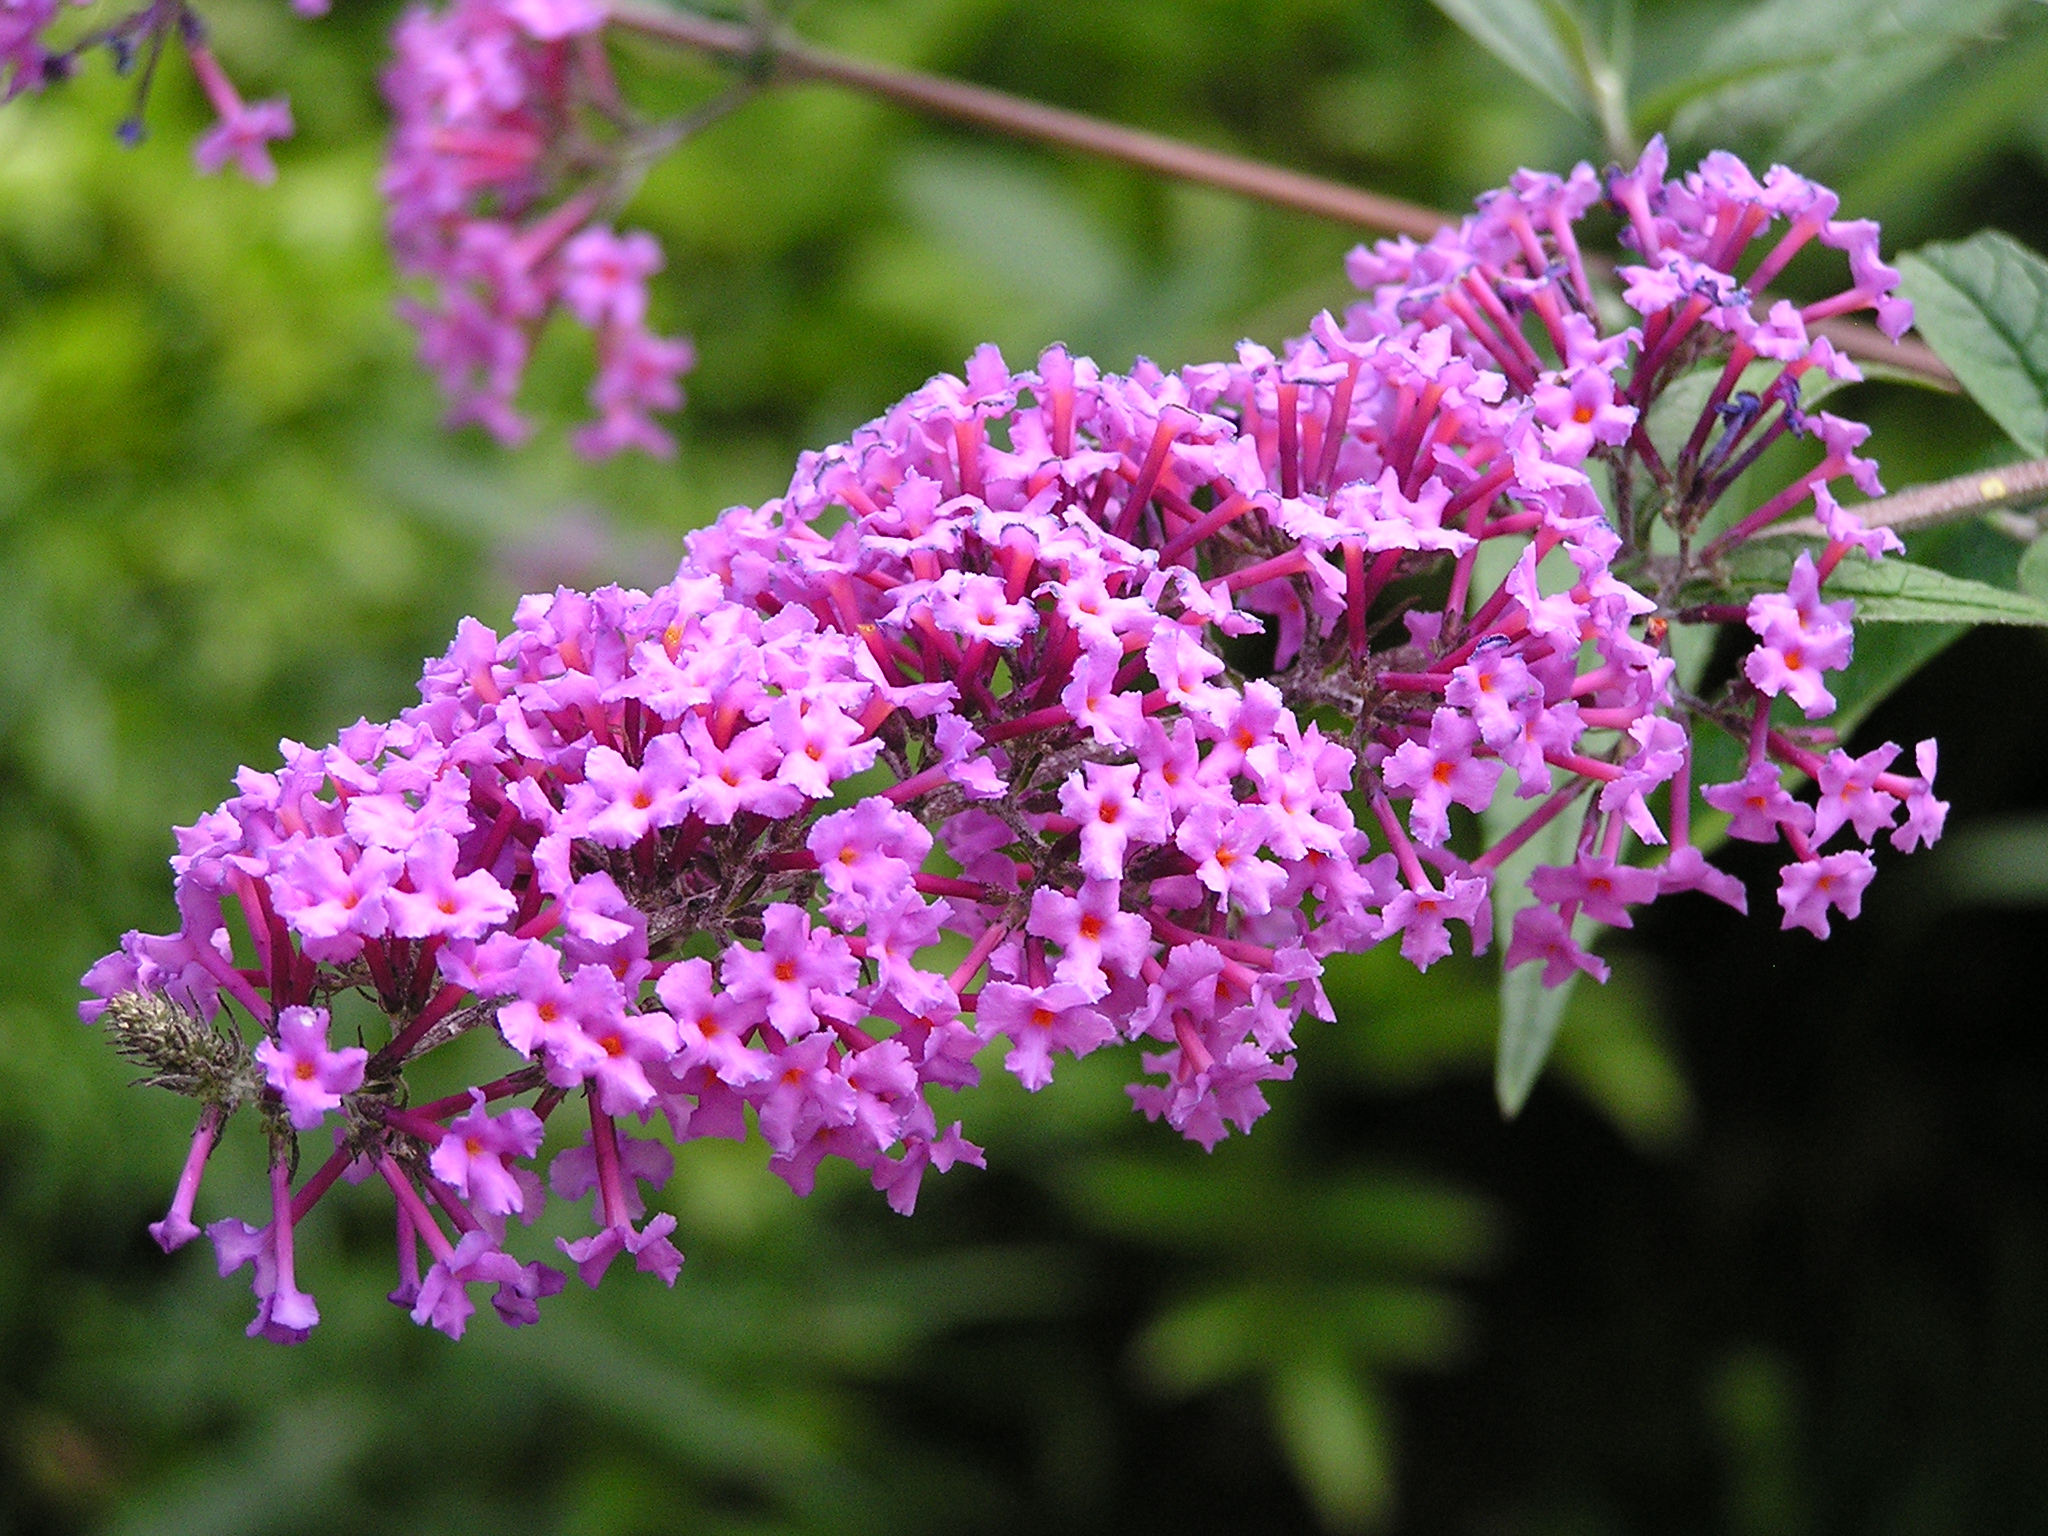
point(1849, 793)
point(1097, 938)
point(798, 974)
point(444, 1293)
point(1542, 933)
point(472, 1157)
point(1758, 805)
point(441, 903)
point(1104, 799)
point(1810, 888)
point(1925, 815)
point(1439, 772)
point(1039, 1022)
point(309, 1077)
point(604, 276)
point(1602, 889)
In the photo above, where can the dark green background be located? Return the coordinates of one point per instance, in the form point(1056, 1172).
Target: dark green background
point(1768, 1252)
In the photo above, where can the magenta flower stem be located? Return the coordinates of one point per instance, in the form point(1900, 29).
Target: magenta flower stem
point(1334, 435)
point(1785, 750)
point(1738, 359)
point(323, 1180)
point(438, 1007)
point(1529, 826)
point(611, 1188)
point(1397, 838)
point(423, 1223)
point(1290, 564)
point(457, 1212)
point(281, 1223)
point(177, 1223)
point(1234, 949)
point(977, 955)
point(1354, 597)
point(415, 1123)
point(1799, 490)
point(455, 1103)
point(1681, 804)
point(1591, 767)
point(1148, 476)
point(1208, 526)
point(1415, 682)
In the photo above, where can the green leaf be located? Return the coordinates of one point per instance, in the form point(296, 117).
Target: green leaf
point(2000, 863)
point(1335, 1432)
point(1983, 305)
point(1618, 1055)
point(1900, 592)
point(2033, 572)
point(1892, 591)
point(1807, 72)
point(1529, 1011)
point(1526, 36)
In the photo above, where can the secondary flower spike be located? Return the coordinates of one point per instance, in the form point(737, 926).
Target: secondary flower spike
point(508, 134)
point(623, 836)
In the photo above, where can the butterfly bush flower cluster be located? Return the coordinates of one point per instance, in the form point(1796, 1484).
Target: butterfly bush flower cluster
point(509, 138)
point(1053, 709)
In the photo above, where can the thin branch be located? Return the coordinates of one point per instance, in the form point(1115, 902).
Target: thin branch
point(779, 56)
point(789, 59)
point(1944, 501)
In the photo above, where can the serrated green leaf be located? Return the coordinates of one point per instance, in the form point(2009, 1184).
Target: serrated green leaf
point(1525, 36)
point(1983, 305)
point(1892, 591)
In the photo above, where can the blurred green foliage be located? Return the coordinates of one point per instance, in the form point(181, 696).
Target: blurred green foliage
point(227, 514)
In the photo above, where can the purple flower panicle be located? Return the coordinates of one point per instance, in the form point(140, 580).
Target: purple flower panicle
point(491, 100)
point(944, 748)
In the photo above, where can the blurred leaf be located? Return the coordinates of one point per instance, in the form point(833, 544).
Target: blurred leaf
point(1537, 39)
point(1334, 1430)
point(297, 1458)
point(1395, 1220)
point(1753, 1402)
point(2003, 861)
point(1983, 305)
point(1617, 1054)
point(1964, 112)
point(1013, 220)
point(2033, 572)
point(1249, 1329)
point(1807, 71)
